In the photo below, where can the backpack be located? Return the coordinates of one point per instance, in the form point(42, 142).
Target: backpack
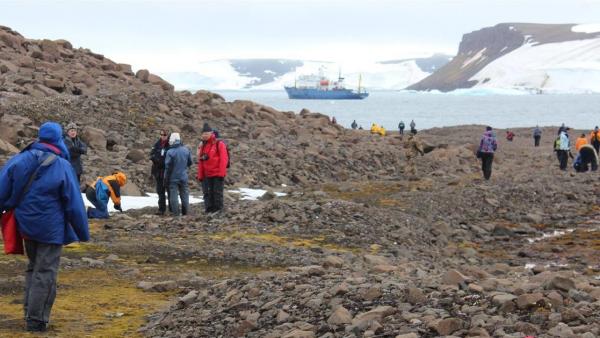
point(228, 152)
point(557, 144)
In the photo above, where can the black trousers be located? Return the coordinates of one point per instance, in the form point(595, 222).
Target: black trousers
point(161, 190)
point(40, 281)
point(596, 145)
point(563, 158)
point(537, 140)
point(486, 164)
point(212, 188)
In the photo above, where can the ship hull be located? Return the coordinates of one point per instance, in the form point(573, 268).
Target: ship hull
point(317, 94)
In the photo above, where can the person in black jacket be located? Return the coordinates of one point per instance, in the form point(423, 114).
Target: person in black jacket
point(76, 148)
point(157, 155)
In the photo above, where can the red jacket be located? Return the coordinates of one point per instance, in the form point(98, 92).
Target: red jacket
point(216, 163)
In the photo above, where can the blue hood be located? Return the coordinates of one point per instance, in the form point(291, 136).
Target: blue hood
point(51, 132)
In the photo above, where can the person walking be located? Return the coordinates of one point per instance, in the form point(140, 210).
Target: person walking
point(157, 156)
point(99, 192)
point(413, 148)
point(76, 148)
point(537, 136)
point(487, 147)
point(212, 169)
point(40, 185)
point(510, 136)
point(564, 149)
point(354, 125)
point(401, 127)
point(595, 139)
point(413, 125)
point(177, 161)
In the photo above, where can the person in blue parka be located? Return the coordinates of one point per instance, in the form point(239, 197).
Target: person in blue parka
point(49, 215)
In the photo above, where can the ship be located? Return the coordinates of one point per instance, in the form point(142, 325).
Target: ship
point(319, 87)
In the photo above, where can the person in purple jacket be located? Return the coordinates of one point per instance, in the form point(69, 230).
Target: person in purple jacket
point(50, 214)
point(487, 147)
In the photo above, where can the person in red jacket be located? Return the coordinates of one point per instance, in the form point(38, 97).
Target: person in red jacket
point(212, 169)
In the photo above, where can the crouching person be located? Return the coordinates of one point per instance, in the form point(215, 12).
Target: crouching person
point(41, 187)
point(177, 161)
point(212, 169)
point(100, 191)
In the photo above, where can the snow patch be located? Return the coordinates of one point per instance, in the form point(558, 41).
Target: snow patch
point(479, 56)
point(253, 194)
point(586, 28)
point(137, 202)
point(556, 233)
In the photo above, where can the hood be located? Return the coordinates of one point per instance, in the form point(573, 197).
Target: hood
point(121, 178)
point(51, 133)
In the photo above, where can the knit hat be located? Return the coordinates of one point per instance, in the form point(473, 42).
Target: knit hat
point(488, 128)
point(206, 128)
point(71, 125)
point(174, 138)
point(51, 132)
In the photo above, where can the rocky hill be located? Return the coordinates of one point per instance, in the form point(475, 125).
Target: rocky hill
point(120, 113)
point(542, 57)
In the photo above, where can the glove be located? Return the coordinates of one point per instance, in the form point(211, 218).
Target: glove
point(118, 207)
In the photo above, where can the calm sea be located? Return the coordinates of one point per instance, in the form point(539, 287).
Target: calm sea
point(429, 110)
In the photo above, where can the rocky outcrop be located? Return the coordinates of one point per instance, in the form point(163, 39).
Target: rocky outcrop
point(479, 48)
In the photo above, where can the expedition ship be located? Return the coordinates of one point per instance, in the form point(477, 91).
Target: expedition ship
point(319, 87)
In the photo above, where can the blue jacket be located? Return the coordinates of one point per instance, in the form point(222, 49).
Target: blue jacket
point(178, 159)
point(52, 211)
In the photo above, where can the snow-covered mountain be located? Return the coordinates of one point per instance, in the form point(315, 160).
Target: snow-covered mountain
point(541, 58)
point(273, 74)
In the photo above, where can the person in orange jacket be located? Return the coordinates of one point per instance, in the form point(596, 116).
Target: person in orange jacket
point(580, 142)
point(99, 192)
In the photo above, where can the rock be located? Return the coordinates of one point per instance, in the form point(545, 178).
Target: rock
point(448, 326)
point(95, 138)
point(333, 262)
point(580, 296)
point(93, 263)
point(12, 127)
point(299, 334)
point(408, 335)
point(363, 320)
point(529, 300)
point(157, 287)
point(374, 260)
point(189, 298)
point(243, 328)
point(503, 298)
point(340, 316)
point(131, 189)
point(561, 330)
point(7, 148)
point(136, 155)
point(559, 283)
point(282, 316)
point(143, 75)
point(415, 296)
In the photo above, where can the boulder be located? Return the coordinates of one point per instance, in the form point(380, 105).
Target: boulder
point(12, 127)
point(95, 138)
point(143, 75)
point(340, 316)
point(529, 300)
point(559, 283)
point(7, 148)
point(453, 277)
point(448, 326)
point(364, 319)
point(136, 155)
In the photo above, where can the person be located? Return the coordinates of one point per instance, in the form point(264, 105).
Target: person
point(564, 148)
point(413, 130)
point(212, 169)
point(401, 127)
point(157, 156)
point(595, 139)
point(413, 148)
point(581, 140)
point(76, 148)
point(50, 214)
point(510, 136)
point(177, 161)
point(101, 190)
point(360, 128)
point(333, 120)
point(354, 125)
point(537, 135)
point(487, 147)
point(587, 157)
point(374, 128)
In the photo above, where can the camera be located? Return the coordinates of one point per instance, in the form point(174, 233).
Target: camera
point(203, 157)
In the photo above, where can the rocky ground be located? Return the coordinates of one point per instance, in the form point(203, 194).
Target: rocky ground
point(355, 249)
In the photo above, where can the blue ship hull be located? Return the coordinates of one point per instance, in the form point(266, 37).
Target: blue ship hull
point(318, 94)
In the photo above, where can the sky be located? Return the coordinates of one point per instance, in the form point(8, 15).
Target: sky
point(175, 35)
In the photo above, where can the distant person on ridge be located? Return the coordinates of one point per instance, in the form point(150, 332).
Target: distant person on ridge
point(333, 120)
point(177, 161)
point(212, 169)
point(101, 190)
point(487, 147)
point(354, 125)
point(401, 128)
point(49, 212)
point(537, 135)
point(564, 148)
point(76, 148)
point(581, 140)
point(510, 136)
point(595, 139)
point(413, 125)
point(587, 157)
point(157, 156)
point(413, 147)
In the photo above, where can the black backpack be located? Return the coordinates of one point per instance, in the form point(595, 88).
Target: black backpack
point(228, 152)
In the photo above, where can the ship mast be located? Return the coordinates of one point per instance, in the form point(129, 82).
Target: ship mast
point(359, 80)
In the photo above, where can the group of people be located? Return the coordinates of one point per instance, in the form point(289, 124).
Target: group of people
point(40, 186)
point(377, 129)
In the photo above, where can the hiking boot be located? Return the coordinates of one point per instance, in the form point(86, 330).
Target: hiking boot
point(159, 213)
point(35, 326)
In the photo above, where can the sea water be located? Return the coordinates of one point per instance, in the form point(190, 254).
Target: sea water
point(429, 110)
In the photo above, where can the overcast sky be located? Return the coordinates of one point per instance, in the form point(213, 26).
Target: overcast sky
point(175, 35)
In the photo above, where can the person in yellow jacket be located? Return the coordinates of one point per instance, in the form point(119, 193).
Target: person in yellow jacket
point(377, 129)
point(101, 190)
point(580, 142)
